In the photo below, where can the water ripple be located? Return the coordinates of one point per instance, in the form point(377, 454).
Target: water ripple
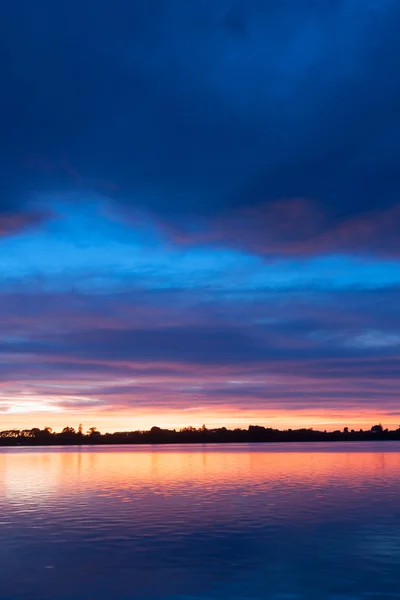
point(259, 522)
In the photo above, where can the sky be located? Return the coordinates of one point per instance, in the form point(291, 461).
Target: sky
point(199, 213)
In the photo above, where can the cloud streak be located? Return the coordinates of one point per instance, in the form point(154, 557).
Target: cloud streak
point(308, 354)
point(294, 228)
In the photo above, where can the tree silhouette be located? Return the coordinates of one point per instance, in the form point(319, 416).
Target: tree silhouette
point(68, 431)
point(93, 433)
point(189, 435)
point(377, 428)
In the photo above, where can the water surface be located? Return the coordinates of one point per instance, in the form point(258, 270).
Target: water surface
point(308, 521)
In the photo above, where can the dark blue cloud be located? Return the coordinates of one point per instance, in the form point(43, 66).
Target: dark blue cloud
point(197, 107)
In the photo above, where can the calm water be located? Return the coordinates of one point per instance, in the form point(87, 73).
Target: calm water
point(275, 522)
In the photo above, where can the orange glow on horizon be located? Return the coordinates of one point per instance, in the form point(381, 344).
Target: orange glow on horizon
point(107, 421)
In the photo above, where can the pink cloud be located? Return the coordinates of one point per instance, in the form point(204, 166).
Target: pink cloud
point(293, 227)
point(14, 223)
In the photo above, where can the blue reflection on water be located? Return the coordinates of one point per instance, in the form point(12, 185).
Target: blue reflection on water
point(275, 522)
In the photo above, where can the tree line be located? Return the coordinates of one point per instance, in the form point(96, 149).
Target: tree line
point(188, 435)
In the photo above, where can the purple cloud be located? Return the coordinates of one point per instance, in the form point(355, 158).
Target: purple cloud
point(293, 228)
point(293, 351)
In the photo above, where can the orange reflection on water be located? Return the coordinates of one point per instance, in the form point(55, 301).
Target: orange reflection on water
point(36, 474)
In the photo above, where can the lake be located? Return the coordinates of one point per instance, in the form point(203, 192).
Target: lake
point(279, 522)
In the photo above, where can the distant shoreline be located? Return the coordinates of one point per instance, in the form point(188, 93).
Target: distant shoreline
point(188, 436)
point(192, 444)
